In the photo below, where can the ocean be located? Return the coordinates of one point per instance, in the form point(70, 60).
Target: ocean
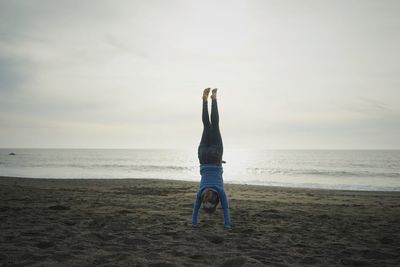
point(375, 170)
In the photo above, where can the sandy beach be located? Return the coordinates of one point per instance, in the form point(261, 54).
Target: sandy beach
point(133, 222)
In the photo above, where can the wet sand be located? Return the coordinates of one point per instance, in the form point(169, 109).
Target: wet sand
point(133, 222)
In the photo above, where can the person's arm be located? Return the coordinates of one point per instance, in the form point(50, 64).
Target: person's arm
point(225, 206)
point(196, 208)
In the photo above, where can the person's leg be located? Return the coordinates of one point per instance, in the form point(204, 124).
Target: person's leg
point(205, 138)
point(205, 119)
point(206, 126)
point(214, 109)
point(215, 134)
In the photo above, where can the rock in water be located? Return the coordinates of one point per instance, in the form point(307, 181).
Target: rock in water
point(11, 154)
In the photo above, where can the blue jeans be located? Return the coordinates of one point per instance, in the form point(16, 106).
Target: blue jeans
point(211, 148)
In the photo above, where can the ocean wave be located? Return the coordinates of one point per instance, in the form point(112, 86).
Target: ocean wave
point(316, 172)
point(132, 167)
point(159, 168)
point(352, 187)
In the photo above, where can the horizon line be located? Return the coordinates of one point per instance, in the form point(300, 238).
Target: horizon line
point(195, 148)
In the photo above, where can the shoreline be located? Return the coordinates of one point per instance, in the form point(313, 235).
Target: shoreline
point(147, 222)
point(196, 182)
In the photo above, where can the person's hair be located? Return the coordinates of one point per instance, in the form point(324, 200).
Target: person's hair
point(210, 200)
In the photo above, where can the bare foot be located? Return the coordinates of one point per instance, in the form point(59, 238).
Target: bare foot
point(205, 93)
point(214, 94)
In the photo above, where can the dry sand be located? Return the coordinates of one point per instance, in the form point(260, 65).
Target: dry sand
point(147, 223)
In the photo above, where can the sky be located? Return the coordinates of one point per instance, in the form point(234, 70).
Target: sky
point(129, 74)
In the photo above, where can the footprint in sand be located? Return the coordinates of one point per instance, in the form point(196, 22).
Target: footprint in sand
point(44, 244)
point(241, 261)
point(59, 207)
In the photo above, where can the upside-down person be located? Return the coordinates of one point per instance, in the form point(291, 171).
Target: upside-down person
point(211, 189)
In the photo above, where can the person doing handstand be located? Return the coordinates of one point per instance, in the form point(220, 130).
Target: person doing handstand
point(211, 189)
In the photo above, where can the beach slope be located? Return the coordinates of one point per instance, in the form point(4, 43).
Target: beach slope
point(133, 222)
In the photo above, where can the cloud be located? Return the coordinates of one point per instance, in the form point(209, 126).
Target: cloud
point(13, 73)
point(284, 69)
point(374, 104)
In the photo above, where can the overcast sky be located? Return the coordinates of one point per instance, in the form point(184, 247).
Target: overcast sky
point(130, 74)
